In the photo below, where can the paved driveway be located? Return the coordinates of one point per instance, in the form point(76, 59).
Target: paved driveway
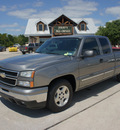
point(7, 54)
point(95, 108)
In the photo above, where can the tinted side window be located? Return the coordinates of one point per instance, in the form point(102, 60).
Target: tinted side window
point(105, 45)
point(91, 44)
point(36, 44)
point(31, 44)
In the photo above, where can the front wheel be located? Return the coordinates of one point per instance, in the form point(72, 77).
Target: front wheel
point(59, 95)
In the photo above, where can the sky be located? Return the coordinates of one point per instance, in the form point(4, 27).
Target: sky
point(14, 14)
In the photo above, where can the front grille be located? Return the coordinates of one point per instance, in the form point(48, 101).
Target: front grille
point(8, 72)
point(10, 77)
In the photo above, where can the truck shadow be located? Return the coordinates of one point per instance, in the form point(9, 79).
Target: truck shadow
point(79, 96)
point(94, 90)
point(34, 113)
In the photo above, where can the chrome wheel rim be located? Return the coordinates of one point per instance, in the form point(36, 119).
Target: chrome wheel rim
point(62, 96)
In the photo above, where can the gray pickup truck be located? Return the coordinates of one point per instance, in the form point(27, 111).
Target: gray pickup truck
point(61, 66)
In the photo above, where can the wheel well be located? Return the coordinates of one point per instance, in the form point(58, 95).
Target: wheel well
point(69, 78)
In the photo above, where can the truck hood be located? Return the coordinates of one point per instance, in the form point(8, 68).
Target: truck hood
point(32, 61)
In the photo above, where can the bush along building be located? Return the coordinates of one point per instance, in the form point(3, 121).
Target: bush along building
point(39, 30)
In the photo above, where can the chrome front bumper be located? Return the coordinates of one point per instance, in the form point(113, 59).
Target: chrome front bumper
point(25, 94)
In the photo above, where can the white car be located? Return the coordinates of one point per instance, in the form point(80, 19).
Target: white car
point(17, 45)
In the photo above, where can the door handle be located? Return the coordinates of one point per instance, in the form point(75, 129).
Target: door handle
point(101, 60)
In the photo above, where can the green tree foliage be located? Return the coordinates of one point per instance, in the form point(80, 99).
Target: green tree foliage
point(9, 40)
point(112, 31)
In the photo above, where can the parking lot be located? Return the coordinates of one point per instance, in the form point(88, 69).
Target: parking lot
point(94, 108)
point(7, 54)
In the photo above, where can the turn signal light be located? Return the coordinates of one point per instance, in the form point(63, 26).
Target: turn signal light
point(31, 84)
point(32, 75)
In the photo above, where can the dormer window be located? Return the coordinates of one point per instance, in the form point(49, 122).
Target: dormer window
point(82, 26)
point(40, 27)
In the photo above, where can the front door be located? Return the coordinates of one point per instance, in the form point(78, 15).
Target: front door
point(91, 68)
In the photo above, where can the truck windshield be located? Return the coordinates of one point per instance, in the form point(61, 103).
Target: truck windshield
point(60, 46)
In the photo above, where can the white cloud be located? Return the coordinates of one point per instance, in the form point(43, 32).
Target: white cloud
point(24, 14)
point(81, 5)
point(114, 11)
point(71, 8)
point(9, 25)
point(98, 22)
point(38, 4)
point(13, 7)
point(3, 8)
point(13, 30)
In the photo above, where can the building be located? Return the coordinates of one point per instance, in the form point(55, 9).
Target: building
point(39, 30)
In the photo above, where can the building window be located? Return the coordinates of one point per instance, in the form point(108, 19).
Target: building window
point(82, 27)
point(45, 27)
point(40, 27)
point(50, 28)
point(42, 40)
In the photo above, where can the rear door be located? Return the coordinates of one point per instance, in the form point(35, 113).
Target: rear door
point(108, 57)
point(91, 68)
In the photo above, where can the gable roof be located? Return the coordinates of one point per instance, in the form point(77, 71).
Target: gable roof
point(62, 16)
point(31, 29)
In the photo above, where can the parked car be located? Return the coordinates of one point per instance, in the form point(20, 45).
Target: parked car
point(17, 45)
point(2, 48)
point(60, 67)
point(32, 47)
point(13, 49)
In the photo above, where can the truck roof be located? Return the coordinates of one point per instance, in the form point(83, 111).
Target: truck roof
point(79, 36)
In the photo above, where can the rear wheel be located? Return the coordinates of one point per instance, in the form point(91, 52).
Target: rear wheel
point(23, 52)
point(59, 95)
point(31, 51)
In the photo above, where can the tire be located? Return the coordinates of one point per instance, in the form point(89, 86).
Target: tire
point(23, 52)
point(118, 77)
point(59, 95)
point(31, 51)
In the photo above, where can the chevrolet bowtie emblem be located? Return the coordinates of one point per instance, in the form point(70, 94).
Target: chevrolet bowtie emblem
point(2, 75)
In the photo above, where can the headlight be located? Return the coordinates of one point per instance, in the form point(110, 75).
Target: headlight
point(24, 83)
point(29, 74)
point(25, 75)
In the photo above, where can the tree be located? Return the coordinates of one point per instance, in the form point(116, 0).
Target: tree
point(9, 40)
point(4, 40)
point(22, 39)
point(112, 31)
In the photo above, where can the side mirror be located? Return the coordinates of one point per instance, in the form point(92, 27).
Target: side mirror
point(88, 53)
